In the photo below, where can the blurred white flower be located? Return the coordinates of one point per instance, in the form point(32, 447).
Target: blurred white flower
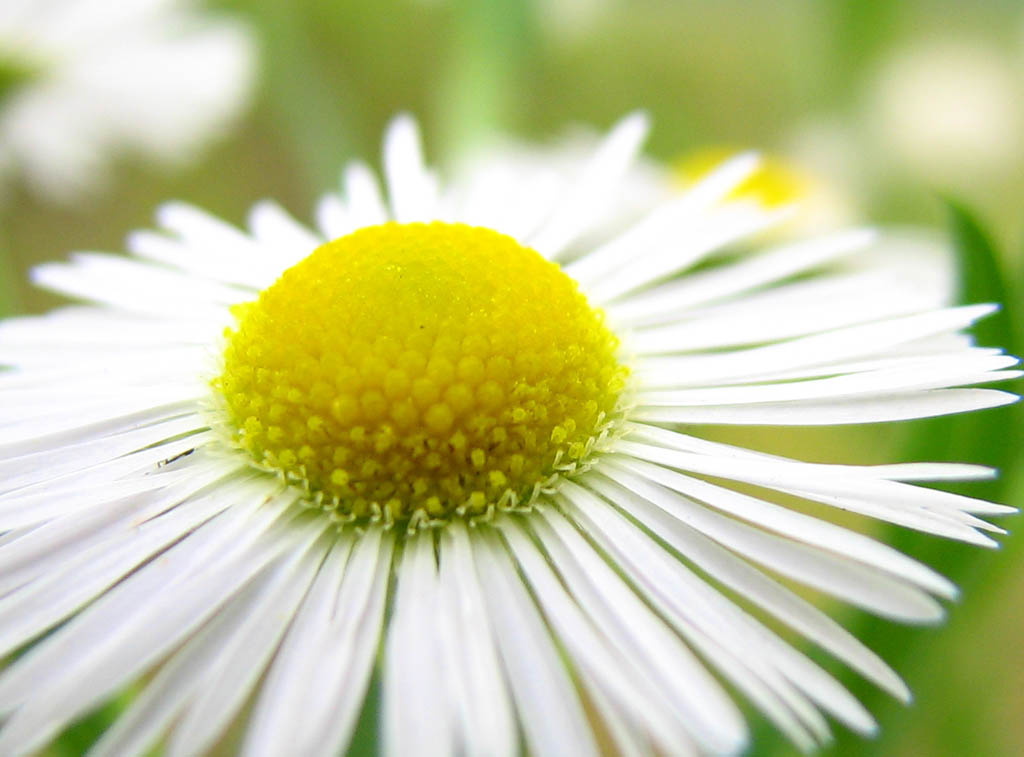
point(813, 203)
point(83, 79)
point(949, 111)
point(572, 19)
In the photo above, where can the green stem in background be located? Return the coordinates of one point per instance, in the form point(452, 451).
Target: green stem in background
point(309, 105)
point(14, 74)
point(10, 292)
point(860, 31)
point(481, 87)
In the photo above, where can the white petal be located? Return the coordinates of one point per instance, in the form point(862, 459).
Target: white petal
point(245, 268)
point(819, 349)
point(22, 438)
point(895, 472)
point(337, 688)
point(126, 648)
point(416, 718)
point(365, 202)
point(805, 618)
point(720, 229)
point(144, 461)
point(669, 221)
point(286, 240)
point(411, 187)
point(203, 231)
point(480, 698)
point(278, 711)
point(25, 470)
point(889, 500)
point(865, 587)
point(586, 200)
point(632, 694)
point(97, 567)
point(713, 720)
point(627, 739)
point(805, 528)
point(152, 711)
point(135, 286)
point(804, 307)
point(78, 325)
point(243, 658)
point(45, 548)
point(550, 713)
point(879, 409)
point(729, 280)
point(720, 629)
point(959, 371)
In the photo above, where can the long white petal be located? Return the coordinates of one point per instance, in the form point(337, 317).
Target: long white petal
point(589, 196)
point(134, 645)
point(719, 628)
point(667, 222)
point(244, 657)
point(550, 712)
point(411, 187)
point(819, 349)
point(725, 227)
point(877, 409)
point(888, 500)
point(338, 686)
point(480, 698)
point(859, 585)
point(719, 283)
point(805, 528)
point(278, 714)
point(629, 690)
point(714, 721)
point(416, 717)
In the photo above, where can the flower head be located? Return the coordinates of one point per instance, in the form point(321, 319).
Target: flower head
point(256, 458)
point(82, 80)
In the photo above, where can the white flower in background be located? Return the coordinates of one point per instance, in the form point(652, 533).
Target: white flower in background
point(816, 204)
point(81, 80)
point(949, 111)
point(255, 458)
point(813, 203)
point(572, 20)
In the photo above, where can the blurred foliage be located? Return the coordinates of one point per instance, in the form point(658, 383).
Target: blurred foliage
point(789, 76)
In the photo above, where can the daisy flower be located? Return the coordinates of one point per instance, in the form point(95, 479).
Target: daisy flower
point(948, 111)
point(83, 79)
point(779, 182)
point(441, 438)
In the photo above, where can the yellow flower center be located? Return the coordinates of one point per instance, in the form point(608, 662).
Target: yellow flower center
point(774, 184)
point(420, 371)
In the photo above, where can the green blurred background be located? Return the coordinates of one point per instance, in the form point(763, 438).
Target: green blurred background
point(894, 106)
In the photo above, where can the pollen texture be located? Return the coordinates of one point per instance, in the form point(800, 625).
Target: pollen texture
point(420, 371)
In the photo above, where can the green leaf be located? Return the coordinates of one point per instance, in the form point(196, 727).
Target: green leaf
point(982, 279)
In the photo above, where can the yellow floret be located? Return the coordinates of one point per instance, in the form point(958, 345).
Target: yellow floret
point(774, 184)
point(433, 368)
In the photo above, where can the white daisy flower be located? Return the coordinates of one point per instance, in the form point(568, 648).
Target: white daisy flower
point(949, 111)
point(82, 79)
point(455, 437)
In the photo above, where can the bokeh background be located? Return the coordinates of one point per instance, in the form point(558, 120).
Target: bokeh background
point(894, 109)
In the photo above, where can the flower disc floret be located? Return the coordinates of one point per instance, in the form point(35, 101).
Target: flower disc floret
point(431, 370)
